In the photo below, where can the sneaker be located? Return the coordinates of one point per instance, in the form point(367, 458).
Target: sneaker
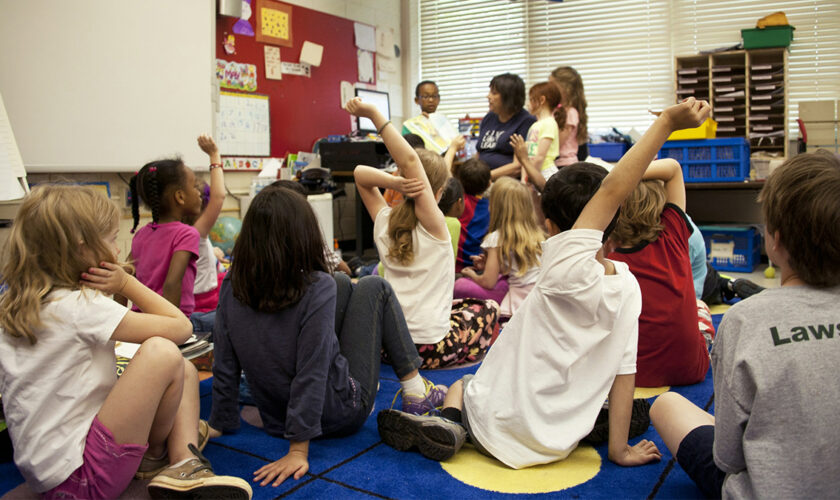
point(151, 467)
point(639, 423)
point(424, 404)
point(727, 292)
point(195, 479)
point(745, 288)
point(435, 437)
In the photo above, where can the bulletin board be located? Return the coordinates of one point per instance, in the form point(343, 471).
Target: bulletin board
point(243, 125)
point(302, 109)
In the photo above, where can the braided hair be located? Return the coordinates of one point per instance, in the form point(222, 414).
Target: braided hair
point(150, 184)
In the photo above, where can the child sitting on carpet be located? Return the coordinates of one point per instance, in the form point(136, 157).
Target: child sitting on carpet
point(309, 343)
point(414, 246)
point(573, 341)
point(475, 177)
point(164, 251)
point(513, 248)
point(451, 204)
point(78, 431)
point(651, 236)
point(774, 432)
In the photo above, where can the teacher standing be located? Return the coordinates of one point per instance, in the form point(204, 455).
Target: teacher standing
point(506, 116)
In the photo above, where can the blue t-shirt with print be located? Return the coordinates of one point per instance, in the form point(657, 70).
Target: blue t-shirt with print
point(494, 137)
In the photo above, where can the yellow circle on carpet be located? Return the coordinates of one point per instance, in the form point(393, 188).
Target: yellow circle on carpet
point(649, 392)
point(481, 471)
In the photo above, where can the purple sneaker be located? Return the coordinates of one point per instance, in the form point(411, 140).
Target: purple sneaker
point(424, 404)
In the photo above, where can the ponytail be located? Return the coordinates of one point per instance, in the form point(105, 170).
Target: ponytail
point(559, 114)
point(401, 223)
point(150, 185)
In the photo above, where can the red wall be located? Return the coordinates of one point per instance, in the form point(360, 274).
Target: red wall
point(302, 109)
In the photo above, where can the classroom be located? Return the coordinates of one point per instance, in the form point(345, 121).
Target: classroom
point(525, 234)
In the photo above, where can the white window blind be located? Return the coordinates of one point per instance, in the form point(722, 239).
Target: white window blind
point(623, 49)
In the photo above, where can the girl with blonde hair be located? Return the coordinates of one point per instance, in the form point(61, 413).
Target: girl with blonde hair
point(512, 245)
point(78, 432)
point(416, 251)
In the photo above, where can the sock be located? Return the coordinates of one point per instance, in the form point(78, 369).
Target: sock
point(182, 462)
point(453, 414)
point(414, 385)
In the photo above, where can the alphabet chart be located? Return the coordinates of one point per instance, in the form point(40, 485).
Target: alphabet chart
point(244, 124)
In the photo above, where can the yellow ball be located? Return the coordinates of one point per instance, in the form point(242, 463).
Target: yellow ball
point(770, 272)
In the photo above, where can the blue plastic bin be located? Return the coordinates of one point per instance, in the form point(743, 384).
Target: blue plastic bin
point(608, 151)
point(732, 248)
point(711, 160)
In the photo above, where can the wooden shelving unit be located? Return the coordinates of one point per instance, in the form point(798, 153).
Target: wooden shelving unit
point(747, 90)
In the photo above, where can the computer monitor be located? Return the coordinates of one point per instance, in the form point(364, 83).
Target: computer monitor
point(378, 99)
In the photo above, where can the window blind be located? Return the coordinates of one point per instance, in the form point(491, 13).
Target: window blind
point(623, 49)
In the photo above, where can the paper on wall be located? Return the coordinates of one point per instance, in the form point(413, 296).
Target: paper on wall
point(311, 53)
point(11, 163)
point(386, 64)
point(299, 69)
point(385, 42)
point(365, 65)
point(347, 92)
point(365, 36)
point(273, 69)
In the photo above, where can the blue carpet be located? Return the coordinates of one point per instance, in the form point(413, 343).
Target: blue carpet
point(362, 466)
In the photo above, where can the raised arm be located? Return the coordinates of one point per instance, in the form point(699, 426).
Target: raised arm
point(425, 205)
point(670, 172)
point(618, 184)
point(211, 212)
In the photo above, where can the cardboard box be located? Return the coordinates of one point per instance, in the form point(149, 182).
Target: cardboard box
point(817, 111)
point(821, 133)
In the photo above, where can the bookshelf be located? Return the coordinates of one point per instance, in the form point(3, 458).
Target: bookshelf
point(747, 90)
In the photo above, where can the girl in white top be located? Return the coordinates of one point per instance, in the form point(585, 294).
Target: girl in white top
point(513, 245)
point(415, 249)
point(78, 432)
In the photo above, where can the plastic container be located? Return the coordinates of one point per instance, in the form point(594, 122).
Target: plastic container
point(732, 248)
point(707, 130)
point(771, 36)
point(608, 151)
point(711, 160)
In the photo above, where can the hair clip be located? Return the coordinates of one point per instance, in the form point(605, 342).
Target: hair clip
point(152, 170)
point(559, 106)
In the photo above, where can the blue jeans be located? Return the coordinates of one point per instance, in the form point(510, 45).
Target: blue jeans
point(203, 321)
point(368, 319)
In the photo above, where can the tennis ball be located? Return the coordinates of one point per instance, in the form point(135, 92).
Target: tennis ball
point(770, 272)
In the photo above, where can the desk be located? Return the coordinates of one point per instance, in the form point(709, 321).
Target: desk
point(734, 202)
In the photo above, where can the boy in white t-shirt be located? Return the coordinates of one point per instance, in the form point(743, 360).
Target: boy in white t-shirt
point(571, 343)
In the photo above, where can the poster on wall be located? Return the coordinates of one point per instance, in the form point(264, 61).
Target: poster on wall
point(237, 76)
point(273, 68)
point(244, 124)
point(365, 61)
point(274, 23)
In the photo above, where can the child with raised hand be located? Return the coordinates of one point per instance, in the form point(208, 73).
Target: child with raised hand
point(308, 343)
point(206, 288)
point(570, 345)
point(536, 153)
point(164, 252)
point(77, 430)
point(651, 237)
point(513, 246)
point(774, 432)
point(414, 246)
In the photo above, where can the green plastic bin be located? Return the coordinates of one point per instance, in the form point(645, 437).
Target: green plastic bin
point(771, 36)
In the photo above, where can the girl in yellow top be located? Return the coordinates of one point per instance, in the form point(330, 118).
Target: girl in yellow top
point(536, 153)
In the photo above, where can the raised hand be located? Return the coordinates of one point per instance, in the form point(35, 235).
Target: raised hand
point(207, 144)
point(688, 114)
point(357, 107)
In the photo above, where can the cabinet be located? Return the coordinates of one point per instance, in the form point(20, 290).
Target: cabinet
point(748, 93)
